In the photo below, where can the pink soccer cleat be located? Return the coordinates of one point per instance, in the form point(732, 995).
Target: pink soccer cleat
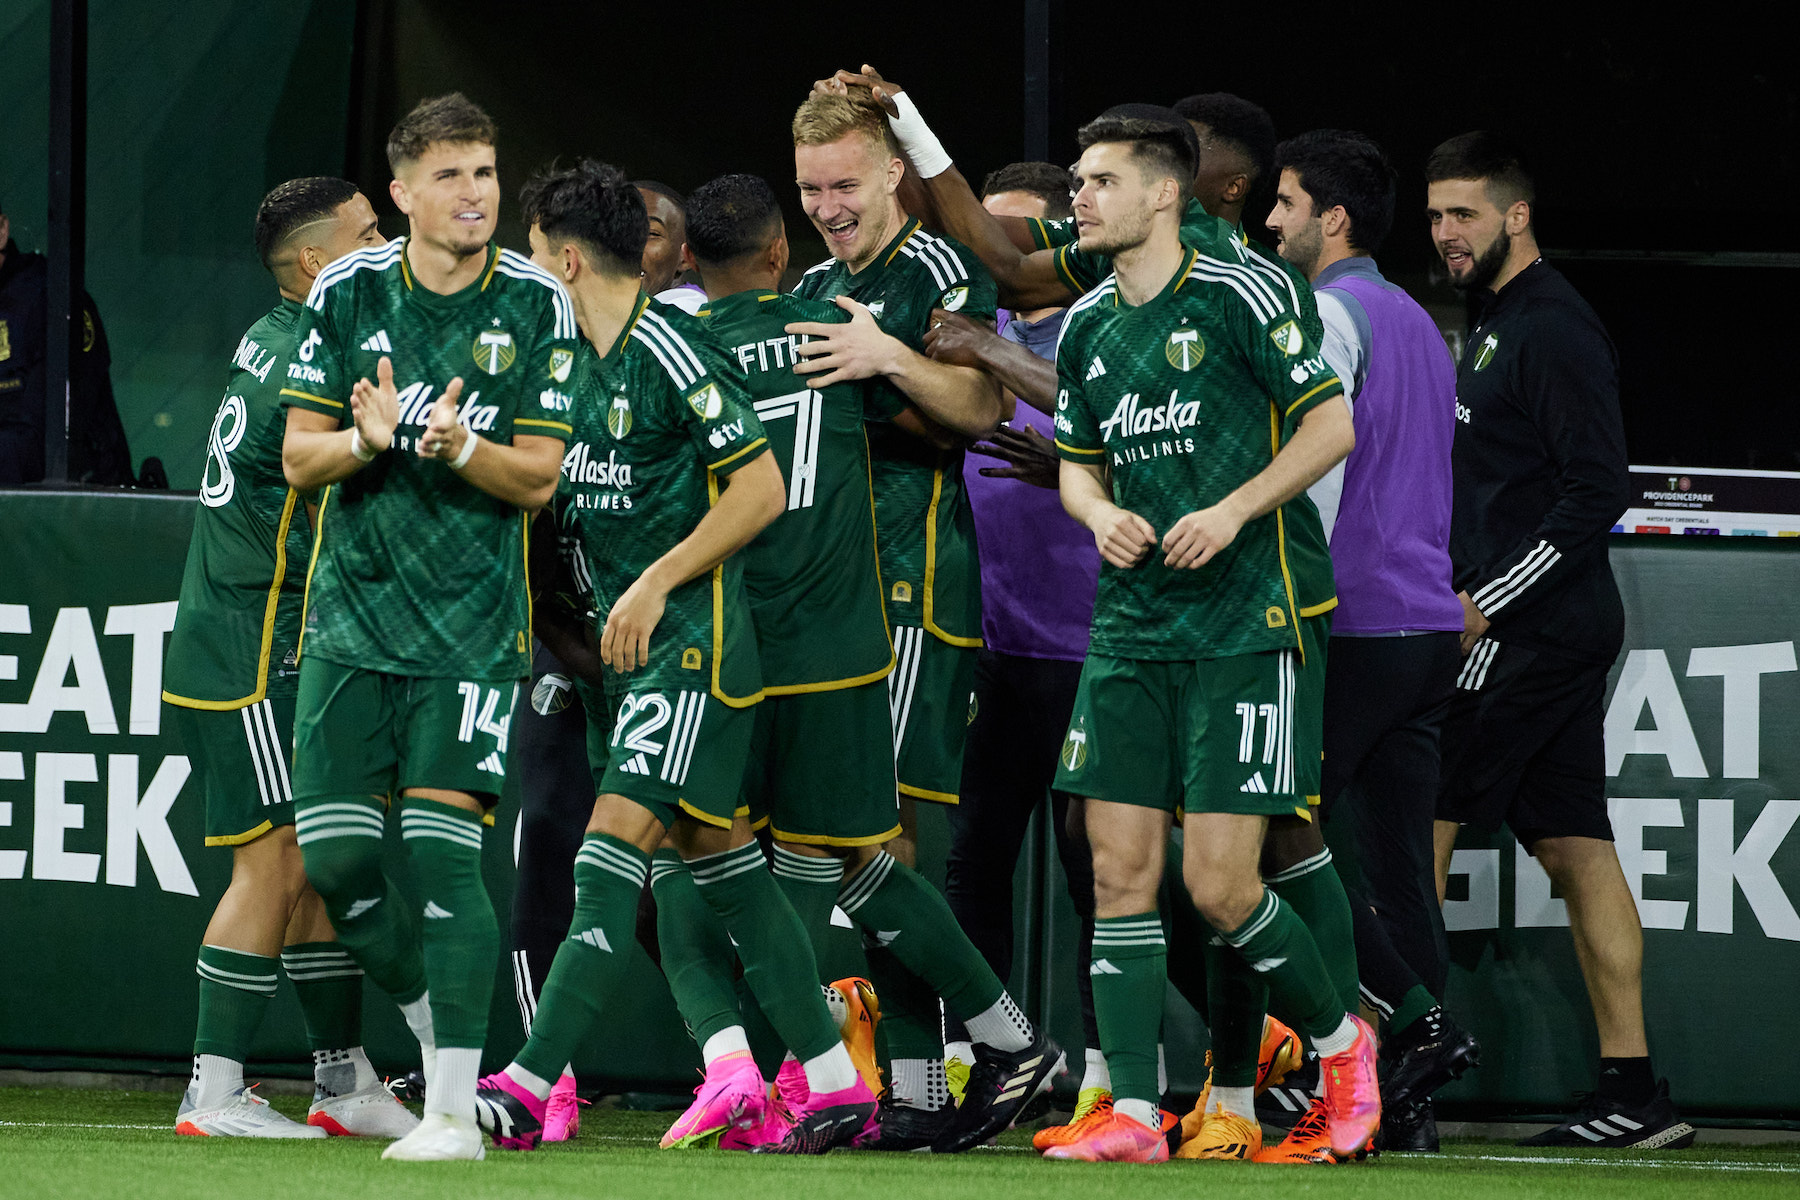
point(730, 1097)
point(509, 1112)
point(562, 1112)
point(1115, 1138)
point(1352, 1094)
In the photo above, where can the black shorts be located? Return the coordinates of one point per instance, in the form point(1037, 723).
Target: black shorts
point(1523, 743)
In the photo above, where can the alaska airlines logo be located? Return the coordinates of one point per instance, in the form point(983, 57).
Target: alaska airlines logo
point(1132, 417)
point(416, 400)
point(580, 466)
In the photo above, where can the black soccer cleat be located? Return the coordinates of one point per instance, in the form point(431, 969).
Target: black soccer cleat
point(1409, 1129)
point(906, 1128)
point(1605, 1124)
point(1000, 1086)
point(822, 1130)
point(1424, 1067)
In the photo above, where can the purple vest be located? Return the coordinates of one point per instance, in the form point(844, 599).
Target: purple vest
point(1390, 548)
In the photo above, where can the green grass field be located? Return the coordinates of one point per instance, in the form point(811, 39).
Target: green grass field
point(62, 1143)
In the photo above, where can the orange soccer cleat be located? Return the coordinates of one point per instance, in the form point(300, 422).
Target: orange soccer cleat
point(1117, 1138)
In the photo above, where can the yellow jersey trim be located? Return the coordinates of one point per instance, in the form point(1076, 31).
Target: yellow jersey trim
point(1062, 269)
point(913, 226)
point(311, 566)
point(1182, 275)
point(1334, 381)
point(931, 513)
point(562, 425)
point(1062, 445)
point(1287, 579)
point(268, 627)
point(731, 458)
point(530, 609)
point(820, 839)
point(493, 262)
point(918, 793)
point(834, 685)
point(309, 396)
point(718, 614)
point(1318, 609)
point(238, 839)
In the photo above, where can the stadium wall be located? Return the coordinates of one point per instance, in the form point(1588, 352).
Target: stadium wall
point(105, 887)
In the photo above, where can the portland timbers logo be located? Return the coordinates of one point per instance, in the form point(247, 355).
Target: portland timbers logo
point(1287, 337)
point(494, 351)
point(1184, 349)
point(1485, 354)
point(1074, 751)
point(618, 417)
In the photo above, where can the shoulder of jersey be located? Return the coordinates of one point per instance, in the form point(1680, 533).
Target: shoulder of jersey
point(373, 259)
point(514, 265)
point(819, 266)
point(1106, 291)
point(666, 332)
point(943, 259)
point(1263, 287)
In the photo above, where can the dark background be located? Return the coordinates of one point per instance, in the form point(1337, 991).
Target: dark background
point(1665, 148)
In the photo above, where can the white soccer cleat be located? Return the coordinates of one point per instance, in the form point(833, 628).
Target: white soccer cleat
point(440, 1137)
point(372, 1112)
point(245, 1114)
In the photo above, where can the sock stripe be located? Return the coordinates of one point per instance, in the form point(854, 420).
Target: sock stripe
point(472, 843)
point(1265, 912)
point(807, 869)
point(634, 878)
point(714, 868)
point(260, 985)
point(857, 892)
point(339, 808)
point(724, 871)
point(663, 866)
point(414, 818)
point(604, 856)
point(1305, 866)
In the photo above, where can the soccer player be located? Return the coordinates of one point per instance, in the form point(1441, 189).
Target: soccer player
point(230, 678)
point(1539, 472)
point(662, 427)
point(1189, 695)
point(1394, 633)
point(891, 274)
point(417, 625)
point(666, 255)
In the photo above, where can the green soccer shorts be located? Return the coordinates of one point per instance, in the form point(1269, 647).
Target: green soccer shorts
point(822, 767)
point(931, 695)
point(370, 733)
point(1219, 735)
point(1315, 636)
point(673, 751)
point(242, 757)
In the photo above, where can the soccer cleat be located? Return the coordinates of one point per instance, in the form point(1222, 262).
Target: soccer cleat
point(1116, 1138)
point(244, 1114)
point(862, 1014)
point(1352, 1094)
point(826, 1121)
point(1421, 1069)
point(562, 1112)
point(373, 1111)
point(956, 1078)
point(1410, 1128)
point(1000, 1084)
point(1309, 1141)
point(1605, 1124)
point(1222, 1135)
point(440, 1137)
point(902, 1127)
point(770, 1130)
point(1281, 1054)
point(791, 1089)
point(732, 1095)
point(509, 1112)
point(1093, 1104)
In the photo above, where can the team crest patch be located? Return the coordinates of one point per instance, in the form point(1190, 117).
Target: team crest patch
point(1275, 617)
point(690, 658)
point(1074, 749)
point(1485, 354)
point(954, 299)
point(707, 402)
point(494, 351)
point(1184, 349)
point(560, 362)
point(902, 593)
point(1287, 337)
point(618, 418)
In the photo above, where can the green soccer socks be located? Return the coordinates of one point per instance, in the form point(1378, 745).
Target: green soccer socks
point(1129, 971)
point(1314, 891)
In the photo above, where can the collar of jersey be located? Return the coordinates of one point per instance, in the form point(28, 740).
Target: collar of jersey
point(737, 300)
point(1169, 289)
point(461, 296)
point(625, 333)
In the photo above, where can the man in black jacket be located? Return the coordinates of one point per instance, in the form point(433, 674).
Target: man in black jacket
point(97, 450)
point(1539, 479)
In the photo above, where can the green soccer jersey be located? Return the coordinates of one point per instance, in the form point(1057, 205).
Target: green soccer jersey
point(1187, 397)
point(417, 571)
point(923, 524)
point(814, 582)
point(1271, 280)
point(237, 629)
point(659, 419)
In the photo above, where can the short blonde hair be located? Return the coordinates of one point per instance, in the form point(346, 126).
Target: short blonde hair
point(826, 117)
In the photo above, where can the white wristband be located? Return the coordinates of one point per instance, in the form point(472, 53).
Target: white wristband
point(462, 459)
point(915, 137)
point(359, 447)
